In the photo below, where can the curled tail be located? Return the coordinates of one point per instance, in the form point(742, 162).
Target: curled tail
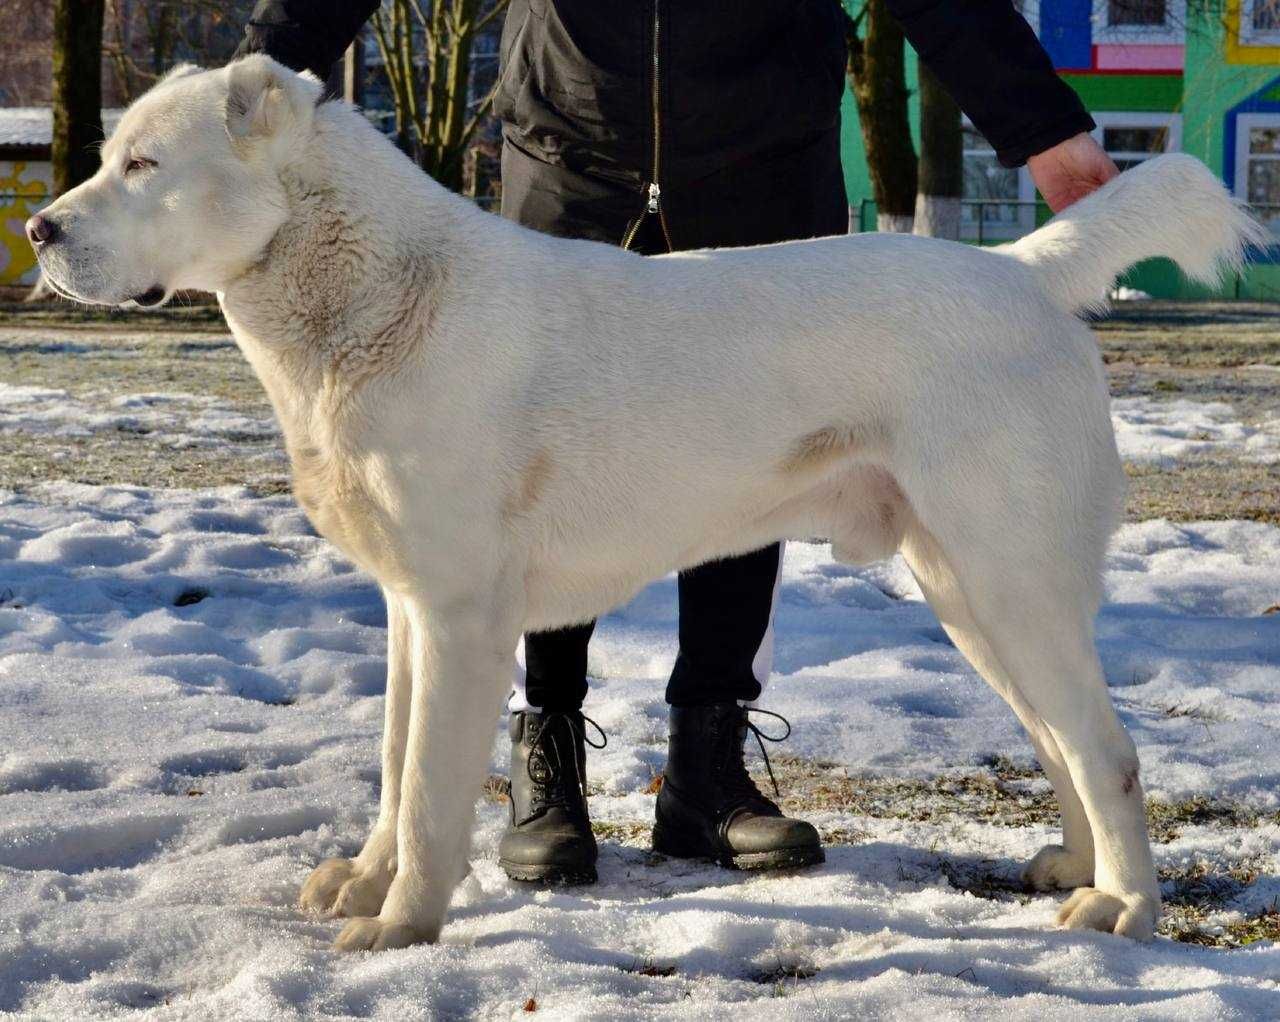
point(1171, 206)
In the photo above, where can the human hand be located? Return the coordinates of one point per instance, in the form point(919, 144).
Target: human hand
point(1071, 170)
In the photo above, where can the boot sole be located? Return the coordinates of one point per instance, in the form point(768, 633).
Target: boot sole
point(780, 858)
point(564, 876)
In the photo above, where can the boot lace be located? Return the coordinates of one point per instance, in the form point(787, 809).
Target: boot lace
point(555, 788)
point(737, 781)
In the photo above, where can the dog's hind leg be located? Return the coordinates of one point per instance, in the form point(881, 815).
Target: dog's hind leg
point(1033, 598)
point(1069, 864)
point(357, 887)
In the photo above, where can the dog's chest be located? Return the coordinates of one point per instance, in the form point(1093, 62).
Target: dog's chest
point(338, 495)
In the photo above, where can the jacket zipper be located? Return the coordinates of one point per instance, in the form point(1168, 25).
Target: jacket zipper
point(653, 202)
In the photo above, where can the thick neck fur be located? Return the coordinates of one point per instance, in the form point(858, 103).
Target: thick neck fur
point(351, 283)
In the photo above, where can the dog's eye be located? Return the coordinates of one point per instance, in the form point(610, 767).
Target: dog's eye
point(137, 163)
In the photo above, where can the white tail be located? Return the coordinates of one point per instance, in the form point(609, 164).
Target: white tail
point(1171, 206)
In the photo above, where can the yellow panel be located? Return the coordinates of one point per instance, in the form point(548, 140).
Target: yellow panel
point(24, 189)
point(1237, 54)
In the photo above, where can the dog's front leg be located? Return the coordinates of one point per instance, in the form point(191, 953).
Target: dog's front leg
point(461, 671)
point(357, 887)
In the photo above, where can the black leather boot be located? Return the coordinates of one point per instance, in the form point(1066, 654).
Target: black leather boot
point(549, 839)
point(708, 806)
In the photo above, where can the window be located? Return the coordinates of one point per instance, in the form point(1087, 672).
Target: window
point(1260, 22)
point(1136, 12)
point(997, 202)
point(1130, 146)
point(1258, 165)
point(1130, 138)
point(1141, 22)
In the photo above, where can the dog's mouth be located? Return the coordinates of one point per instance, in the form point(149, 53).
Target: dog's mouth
point(151, 297)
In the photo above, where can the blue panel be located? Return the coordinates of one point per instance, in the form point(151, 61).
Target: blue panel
point(1065, 31)
point(1265, 100)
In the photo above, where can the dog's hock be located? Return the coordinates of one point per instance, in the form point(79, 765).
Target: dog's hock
point(265, 99)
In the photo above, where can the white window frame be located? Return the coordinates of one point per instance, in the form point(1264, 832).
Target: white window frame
point(1173, 32)
point(1172, 123)
point(1025, 222)
point(1250, 36)
point(1244, 122)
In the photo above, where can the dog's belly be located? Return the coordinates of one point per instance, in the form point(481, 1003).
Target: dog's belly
point(858, 507)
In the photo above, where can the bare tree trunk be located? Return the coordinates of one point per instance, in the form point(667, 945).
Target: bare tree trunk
point(162, 21)
point(429, 71)
point(115, 48)
point(877, 78)
point(77, 91)
point(353, 71)
point(941, 161)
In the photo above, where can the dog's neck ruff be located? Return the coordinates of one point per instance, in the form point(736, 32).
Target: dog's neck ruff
point(311, 299)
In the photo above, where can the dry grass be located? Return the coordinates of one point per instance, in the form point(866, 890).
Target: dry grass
point(1220, 335)
point(1007, 799)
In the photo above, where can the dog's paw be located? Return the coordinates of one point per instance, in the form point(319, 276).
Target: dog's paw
point(373, 934)
point(1091, 909)
point(1055, 869)
point(320, 892)
point(362, 895)
point(338, 887)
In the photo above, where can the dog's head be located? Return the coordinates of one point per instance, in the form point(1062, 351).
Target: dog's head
point(189, 192)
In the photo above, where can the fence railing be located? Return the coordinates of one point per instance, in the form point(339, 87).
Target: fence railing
point(1028, 214)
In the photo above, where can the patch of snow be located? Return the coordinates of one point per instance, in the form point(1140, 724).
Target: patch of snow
point(1122, 293)
point(1161, 432)
point(177, 419)
point(190, 695)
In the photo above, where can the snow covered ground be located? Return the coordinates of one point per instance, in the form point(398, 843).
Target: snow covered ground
point(182, 420)
point(190, 712)
point(1161, 432)
point(190, 706)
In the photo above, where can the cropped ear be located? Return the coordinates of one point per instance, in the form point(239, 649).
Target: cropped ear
point(266, 99)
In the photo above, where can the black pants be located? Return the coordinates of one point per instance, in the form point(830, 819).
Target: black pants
point(725, 606)
point(725, 610)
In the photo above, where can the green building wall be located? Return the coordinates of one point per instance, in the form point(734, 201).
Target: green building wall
point(1208, 88)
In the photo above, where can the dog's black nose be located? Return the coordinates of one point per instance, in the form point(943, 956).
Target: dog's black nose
point(41, 230)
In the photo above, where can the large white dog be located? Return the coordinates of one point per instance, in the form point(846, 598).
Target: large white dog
point(512, 431)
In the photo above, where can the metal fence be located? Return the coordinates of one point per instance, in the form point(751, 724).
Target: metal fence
point(977, 224)
point(993, 221)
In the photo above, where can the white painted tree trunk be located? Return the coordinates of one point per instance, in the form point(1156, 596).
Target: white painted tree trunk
point(894, 223)
point(937, 216)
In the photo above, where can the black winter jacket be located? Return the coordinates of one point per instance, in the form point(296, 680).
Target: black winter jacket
point(721, 117)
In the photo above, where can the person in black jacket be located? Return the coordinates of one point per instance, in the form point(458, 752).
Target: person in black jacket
point(661, 127)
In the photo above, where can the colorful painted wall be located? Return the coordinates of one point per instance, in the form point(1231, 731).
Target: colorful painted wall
point(1157, 76)
point(24, 188)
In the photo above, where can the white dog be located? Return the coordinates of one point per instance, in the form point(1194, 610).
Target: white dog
point(513, 432)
